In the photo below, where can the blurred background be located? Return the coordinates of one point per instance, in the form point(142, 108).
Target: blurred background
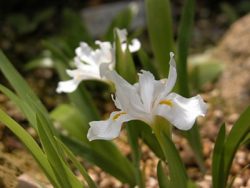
point(25, 23)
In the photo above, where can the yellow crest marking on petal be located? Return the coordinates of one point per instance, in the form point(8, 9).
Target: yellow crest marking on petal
point(167, 102)
point(118, 115)
point(78, 77)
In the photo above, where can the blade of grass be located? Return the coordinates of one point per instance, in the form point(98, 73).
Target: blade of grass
point(91, 183)
point(18, 83)
point(146, 63)
point(54, 154)
point(124, 62)
point(122, 169)
point(217, 160)
point(163, 179)
point(184, 38)
point(237, 134)
point(160, 30)
point(177, 171)
point(133, 135)
point(32, 146)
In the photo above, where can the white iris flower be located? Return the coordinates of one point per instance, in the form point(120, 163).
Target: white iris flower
point(145, 100)
point(91, 64)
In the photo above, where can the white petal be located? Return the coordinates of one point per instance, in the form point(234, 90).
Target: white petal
point(67, 86)
point(124, 46)
point(135, 45)
point(127, 95)
point(85, 53)
point(104, 45)
point(116, 101)
point(146, 89)
point(104, 68)
point(172, 76)
point(108, 129)
point(184, 111)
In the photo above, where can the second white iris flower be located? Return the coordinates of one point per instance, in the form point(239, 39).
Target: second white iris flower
point(90, 63)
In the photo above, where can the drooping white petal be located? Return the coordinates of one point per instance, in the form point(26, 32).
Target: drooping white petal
point(182, 112)
point(108, 129)
point(67, 86)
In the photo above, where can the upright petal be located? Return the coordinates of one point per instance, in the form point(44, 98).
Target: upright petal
point(134, 46)
point(127, 95)
point(105, 53)
point(85, 53)
point(108, 129)
point(172, 76)
point(122, 34)
point(146, 89)
point(181, 112)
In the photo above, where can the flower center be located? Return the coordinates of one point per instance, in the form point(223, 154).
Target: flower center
point(116, 116)
point(167, 102)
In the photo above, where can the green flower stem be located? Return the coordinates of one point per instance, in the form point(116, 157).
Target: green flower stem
point(159, 126)
point(177, 172)
point(133, 136)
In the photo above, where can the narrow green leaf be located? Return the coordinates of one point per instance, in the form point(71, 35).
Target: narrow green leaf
point(91, 183)
point(32, 146)
point(177, 171)
point(160, 30)
point(146, 63)
point(133, 135)
point(24, 91)
point(237, 134)
point(191, 184)
point(29, 113)
point(178, 176)
point(54, 154)
point(217, 160)
point(163, 179)
point(122, 169)
point(184, 38)
point(149, 138)
point(124, 62)
point(194, 139)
